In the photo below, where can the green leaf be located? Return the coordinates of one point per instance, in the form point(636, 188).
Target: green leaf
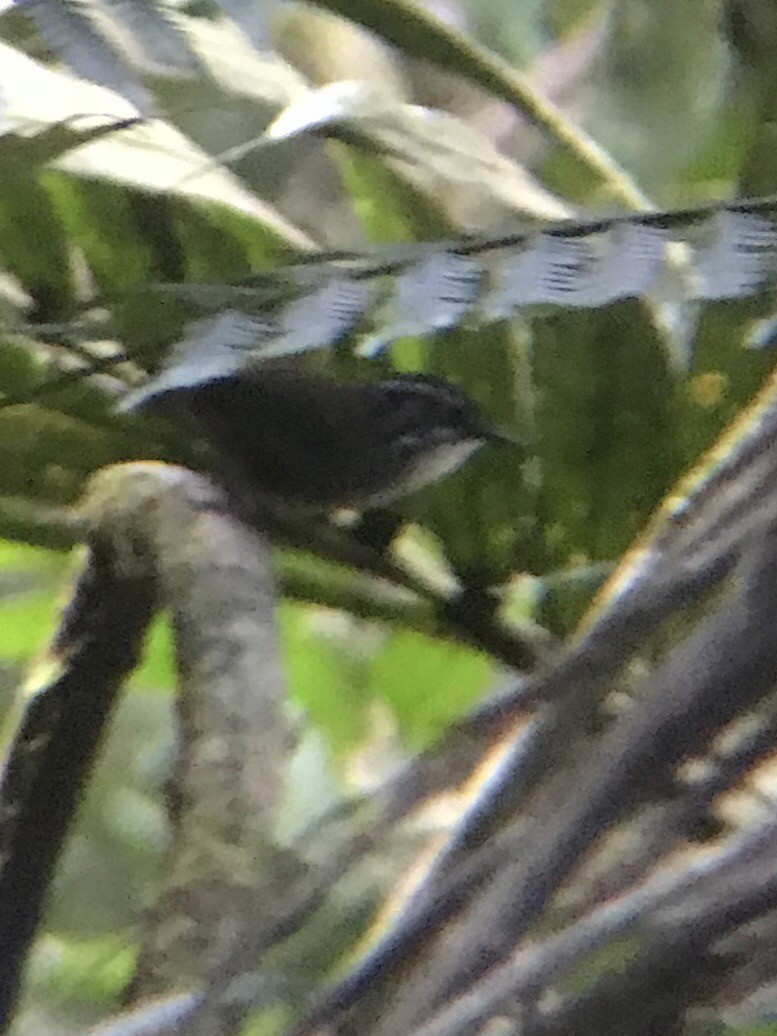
point(83, 971)
point(21, 558)
point(153, 157)
point(100, 218)
point(21, 153)
point(322, 678)
point(421, 34)
point(46, 455)
point(34, 247)
point(27, 623)
point(157, 669)
point(67, 27)
point(427, 684)
point(606, 430)
point(437, 151)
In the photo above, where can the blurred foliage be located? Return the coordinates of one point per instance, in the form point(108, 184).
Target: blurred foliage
point(610, 410)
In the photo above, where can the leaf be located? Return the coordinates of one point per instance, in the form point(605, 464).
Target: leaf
point(428, 287)
point(151, 157)
point(82, 972)
point(219, 346)
point(608, 416)
point(320, 319)
point(391, 209)
point(265, 77)
point(26, 622)
point(578, 271)
point(27, 218)
point(157, 669)
point(155, 41)
point(102, 221)
point(418, 32)
point(213, 348)
point(431, 296)
point(322, 678)
point(738, 257)
point(21, 152)
point(427, 684)
point(426, 142)
point(20, 557)
point(251, 17)
point(24, 571)
point(45, 455)
point(68, 28)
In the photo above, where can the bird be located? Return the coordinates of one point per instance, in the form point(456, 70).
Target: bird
point(319, 443)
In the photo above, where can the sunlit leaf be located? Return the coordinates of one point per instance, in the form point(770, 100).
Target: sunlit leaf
point(427, 684)
point(69, 29)
point(425, 140)
point(153, 156)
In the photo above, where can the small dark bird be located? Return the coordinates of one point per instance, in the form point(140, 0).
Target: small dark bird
point(322, 444)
